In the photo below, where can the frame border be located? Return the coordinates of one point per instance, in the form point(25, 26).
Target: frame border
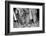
point(7, 21)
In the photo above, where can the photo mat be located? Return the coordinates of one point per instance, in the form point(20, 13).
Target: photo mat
point(27, 18)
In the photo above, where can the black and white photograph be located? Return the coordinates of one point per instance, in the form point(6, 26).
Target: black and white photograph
point(24, 17)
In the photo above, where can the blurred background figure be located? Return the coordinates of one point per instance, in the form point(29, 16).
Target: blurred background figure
point(34, 16)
